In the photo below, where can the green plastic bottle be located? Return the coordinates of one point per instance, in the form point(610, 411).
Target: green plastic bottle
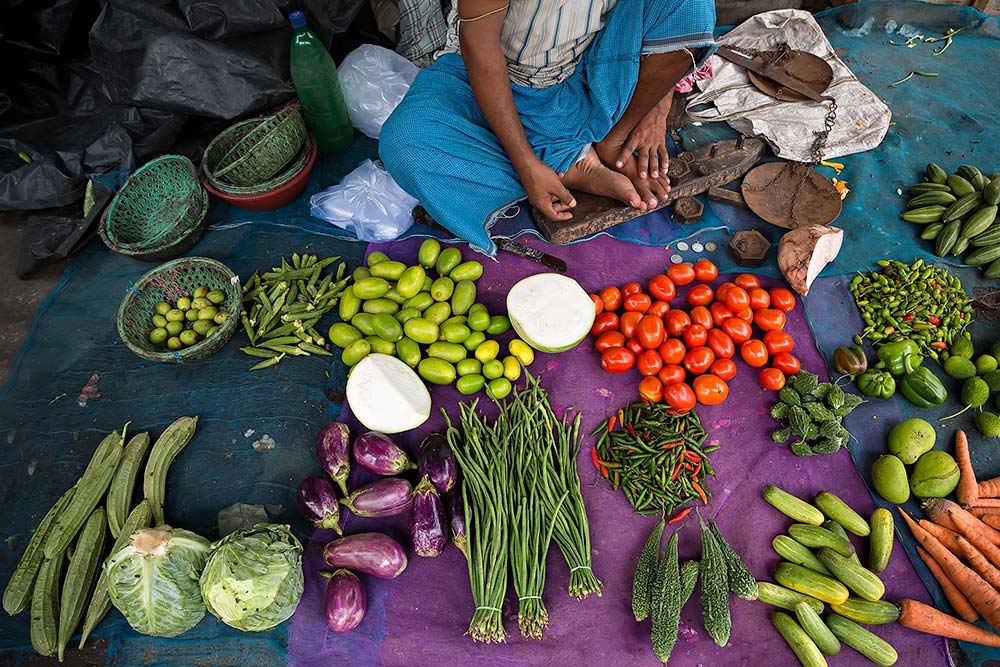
point(316, 81)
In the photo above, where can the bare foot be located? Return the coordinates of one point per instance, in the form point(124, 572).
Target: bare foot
point(590, 175)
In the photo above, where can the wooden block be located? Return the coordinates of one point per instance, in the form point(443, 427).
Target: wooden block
point(691, 173)
point(718, 193)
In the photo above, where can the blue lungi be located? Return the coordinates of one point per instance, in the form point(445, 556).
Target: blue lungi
point(440, 149)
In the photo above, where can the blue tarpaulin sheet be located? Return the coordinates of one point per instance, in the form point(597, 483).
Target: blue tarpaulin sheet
point(949, 119)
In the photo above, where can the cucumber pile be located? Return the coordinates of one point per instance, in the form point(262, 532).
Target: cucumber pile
point(427, 316)
point(821, 567)
point(959, 212)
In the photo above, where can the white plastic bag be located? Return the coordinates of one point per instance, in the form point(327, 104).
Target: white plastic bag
point(374, 80)
point(367, 202)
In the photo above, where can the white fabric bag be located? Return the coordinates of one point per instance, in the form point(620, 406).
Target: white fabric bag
point(862, 118)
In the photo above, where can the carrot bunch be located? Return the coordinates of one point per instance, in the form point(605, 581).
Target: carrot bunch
point(961, 548)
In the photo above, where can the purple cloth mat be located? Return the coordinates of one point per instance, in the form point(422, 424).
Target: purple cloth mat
point(420, 618)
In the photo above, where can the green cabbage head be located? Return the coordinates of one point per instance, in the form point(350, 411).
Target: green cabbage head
point(153, 580)
point(253, 580)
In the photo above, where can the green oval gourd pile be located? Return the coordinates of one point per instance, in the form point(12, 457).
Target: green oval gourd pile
point(428, 317)
point(959, 212)
point(187, 320)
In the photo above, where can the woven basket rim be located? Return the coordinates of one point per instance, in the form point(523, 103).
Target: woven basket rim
point(139, 253)
point(283, 118)
point(168, 228)
point(194, 353)
point(295, 167)
point(221, 136)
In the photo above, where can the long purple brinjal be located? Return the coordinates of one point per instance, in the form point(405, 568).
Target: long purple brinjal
point(384, 497)
point(378, 453)
point(333, 448)
point(318, 503)
point(372, 553)
point(428, 524)
point(436, 460)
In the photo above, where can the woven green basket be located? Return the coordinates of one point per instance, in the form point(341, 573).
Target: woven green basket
point(264, 150)
point(221, 144)
point(183, 239)
point(160, 202)
point(170, 282)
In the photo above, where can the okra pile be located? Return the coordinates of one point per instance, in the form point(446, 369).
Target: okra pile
point(283, 306)
point(960, 214)
point(656, 457)
point(918, 302)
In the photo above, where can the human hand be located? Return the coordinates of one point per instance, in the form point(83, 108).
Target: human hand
point(546, 191)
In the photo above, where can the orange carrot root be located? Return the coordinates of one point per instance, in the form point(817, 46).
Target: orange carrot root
point(968, 488)
point(945, 535)
point(924, 618)
point(991, 520)
point(976, 560)
point(990, 488)
point(954, 596)
point(983, 597)
point(968, 525)
point(987, 503)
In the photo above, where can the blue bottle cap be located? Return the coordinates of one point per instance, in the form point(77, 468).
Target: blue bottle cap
point(297, 18)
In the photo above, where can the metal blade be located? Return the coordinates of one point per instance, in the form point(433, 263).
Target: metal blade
point(772, 73)
point(545, 259)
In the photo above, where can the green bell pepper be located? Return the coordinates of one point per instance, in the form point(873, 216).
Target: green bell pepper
point(876, 384)
point(850, 360)
point(900, 357)
point(923, 388)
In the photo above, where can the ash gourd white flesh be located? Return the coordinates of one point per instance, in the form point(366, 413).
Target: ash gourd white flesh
point(551, 312)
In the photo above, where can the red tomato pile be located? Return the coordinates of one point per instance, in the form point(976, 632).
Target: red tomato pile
point(639, 329)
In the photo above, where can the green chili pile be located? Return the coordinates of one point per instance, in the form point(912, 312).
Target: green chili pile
point(282, 307)
point(522, 491)
point(917, 302)
point(655, 456)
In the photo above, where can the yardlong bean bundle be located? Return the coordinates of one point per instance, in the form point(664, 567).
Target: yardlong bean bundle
point(522, 492)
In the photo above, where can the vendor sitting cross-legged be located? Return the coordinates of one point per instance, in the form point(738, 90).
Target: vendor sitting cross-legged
point(546, 96)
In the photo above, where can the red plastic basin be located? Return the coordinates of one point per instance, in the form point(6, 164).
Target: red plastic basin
point(268, 201)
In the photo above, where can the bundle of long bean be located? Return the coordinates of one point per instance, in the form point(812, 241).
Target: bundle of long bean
point(530, 525)
point(522, 491)
point(484, 462)
point(655, 456)
point(282, 307)
point(571, 531)
point(918, 302)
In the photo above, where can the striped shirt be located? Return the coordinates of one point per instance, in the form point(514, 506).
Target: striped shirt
point(543, 40)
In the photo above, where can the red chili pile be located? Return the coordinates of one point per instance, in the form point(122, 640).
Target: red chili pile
point(685, 351)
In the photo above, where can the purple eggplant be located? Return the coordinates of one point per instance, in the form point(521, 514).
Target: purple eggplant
point(378, 453)
point(384, 497)
point(428, 529)
point(346, 601)
point(372, 553)
point(436, 460)
point(456, 513)
point(318, 503)
point(333, 448)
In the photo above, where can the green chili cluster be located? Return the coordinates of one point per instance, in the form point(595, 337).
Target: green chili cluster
point(917, 302)
point(282, 307)
point(655, 456)
point(522, 491)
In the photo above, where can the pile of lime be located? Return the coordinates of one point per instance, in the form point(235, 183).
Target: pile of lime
point(427, 316)
point(188, 320)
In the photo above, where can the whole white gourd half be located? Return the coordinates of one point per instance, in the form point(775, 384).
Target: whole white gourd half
point(550, 311)
point(386, 395)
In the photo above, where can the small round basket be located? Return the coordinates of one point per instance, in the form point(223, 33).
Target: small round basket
point(169, 247)
point(160, 203)
point(170, 282)
point(263, 151)
point(228, 138)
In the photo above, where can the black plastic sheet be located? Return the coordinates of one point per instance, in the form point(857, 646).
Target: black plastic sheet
point(94, 87)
